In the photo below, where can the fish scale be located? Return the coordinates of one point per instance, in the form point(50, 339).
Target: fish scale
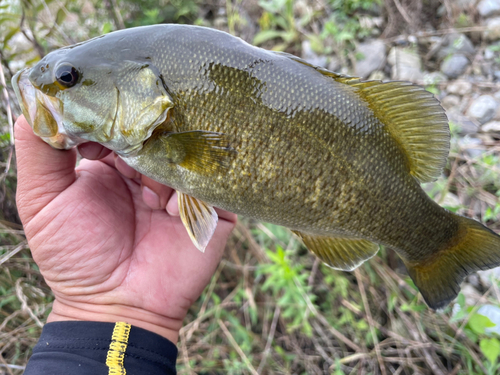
point(269, 136)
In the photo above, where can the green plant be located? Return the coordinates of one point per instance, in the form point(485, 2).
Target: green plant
point(278, 22)
point(288, 284)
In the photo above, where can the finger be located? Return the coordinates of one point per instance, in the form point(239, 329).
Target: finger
point(125, 169)
point(109, 160)
point(42, 171)
point(173, 205)
point(93, 151)
point(173, 210)
point(154, 190)
point(226, 215)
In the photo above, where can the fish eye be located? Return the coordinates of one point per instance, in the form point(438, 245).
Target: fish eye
point(67, 75)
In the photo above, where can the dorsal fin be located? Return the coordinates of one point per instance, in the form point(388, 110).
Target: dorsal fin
point(412, 115)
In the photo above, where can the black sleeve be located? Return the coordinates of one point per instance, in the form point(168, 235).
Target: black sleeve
point(97, 348)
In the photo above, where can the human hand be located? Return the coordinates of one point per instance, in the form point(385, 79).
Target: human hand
point(104, 245)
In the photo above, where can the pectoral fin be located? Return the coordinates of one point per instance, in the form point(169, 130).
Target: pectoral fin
point(199, 218)
point(199, 151)
point(344, 254)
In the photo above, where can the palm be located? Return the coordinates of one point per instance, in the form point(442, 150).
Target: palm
point(96, 241)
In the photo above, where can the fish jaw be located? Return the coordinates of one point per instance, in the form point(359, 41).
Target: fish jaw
point(43, 113)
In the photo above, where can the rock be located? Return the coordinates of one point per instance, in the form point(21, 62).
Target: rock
point(473, 279)
point(471, 295)
point(450, 101)
point(492, 312)
point(493, 126)
point(483, 109)
point(471, 146)
point(311, 57)
point(488, 8)
point(406, 64)
point(459, 87)
point(488, 54)
point(334, 65)
point(378, 76)
point(455, 43)
point(488, 276)
point(466, 4)
point(450, 200)
point(454, 65)
point(373, 57)
point(466, 126)
point(434, 78)
point(492, 31)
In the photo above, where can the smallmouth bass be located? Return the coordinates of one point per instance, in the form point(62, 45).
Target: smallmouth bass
point(336, 159)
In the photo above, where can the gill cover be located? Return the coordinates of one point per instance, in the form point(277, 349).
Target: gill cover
point(117, 104)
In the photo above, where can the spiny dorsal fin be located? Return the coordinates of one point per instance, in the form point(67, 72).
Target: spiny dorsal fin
point(412, 115)
point(344, 254)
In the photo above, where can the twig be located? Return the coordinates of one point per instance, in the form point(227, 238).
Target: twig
point(314, 270)
point(9, 119)
point(185, 357)
point(19, 247)
point(270, 339)
point(24, 302)
point(115, 14)
point(271, 235)
point(322, 352)
point(15, 367)
point(67, 39)
point(237, 347)
point(253, 245)
point(32, 39)
point(337, 334)
point(402, 11)
point(352, 358)
point(370, 321)
point(196, 323)
point(6, 365)
point(426, 34)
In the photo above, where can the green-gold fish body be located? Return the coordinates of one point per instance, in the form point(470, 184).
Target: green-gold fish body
point(266, 135)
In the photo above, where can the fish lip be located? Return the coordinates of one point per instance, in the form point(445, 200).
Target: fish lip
point(32, 100)
point(19, 94)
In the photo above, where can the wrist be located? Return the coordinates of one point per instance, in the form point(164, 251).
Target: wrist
point(159, 324)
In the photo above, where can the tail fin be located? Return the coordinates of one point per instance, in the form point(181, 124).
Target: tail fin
point(438, 278)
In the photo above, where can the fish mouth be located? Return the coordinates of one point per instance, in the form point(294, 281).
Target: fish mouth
point(43, 112)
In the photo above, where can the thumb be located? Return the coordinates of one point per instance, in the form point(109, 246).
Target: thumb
point(42, 171)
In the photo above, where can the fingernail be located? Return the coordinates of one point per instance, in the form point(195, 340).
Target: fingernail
point(172, 206)
point(151, 198)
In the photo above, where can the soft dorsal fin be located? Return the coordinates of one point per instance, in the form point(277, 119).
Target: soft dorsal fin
point(412, 115)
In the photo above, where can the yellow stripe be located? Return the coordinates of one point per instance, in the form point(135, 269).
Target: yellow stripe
point(117, 348)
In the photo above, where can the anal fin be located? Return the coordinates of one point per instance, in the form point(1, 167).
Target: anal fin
point(199, 218)
point(344, 254)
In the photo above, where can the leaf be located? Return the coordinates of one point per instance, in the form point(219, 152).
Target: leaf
point(60, 16)
point(107, 27)
point(478, 323)
point(266, 35)
point(490, 349)
point(13, 31)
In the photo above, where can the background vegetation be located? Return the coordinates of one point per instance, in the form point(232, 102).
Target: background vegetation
point(271, 307)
